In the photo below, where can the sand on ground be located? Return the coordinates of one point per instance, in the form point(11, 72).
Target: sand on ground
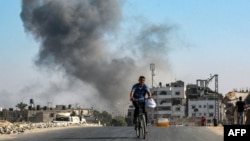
point(36, 130)
point(218, 130)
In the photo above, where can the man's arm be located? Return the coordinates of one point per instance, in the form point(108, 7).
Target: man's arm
point(149, 94)
point(131, 95)
point(245, 105)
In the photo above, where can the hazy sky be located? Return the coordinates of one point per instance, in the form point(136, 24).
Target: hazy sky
point(186, 40)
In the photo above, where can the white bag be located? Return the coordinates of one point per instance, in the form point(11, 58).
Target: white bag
point(150, 103)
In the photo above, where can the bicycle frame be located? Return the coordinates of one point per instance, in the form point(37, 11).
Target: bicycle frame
point(140, 125)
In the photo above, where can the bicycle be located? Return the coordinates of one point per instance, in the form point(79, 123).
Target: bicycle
point(140, 125)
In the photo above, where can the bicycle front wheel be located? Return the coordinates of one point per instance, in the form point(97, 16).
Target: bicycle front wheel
point(143, 126)
point(137, 127)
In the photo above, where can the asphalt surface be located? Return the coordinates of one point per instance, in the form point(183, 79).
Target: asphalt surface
point(184, 133)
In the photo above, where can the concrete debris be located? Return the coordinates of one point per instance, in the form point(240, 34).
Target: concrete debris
point(17, 128)
point(4, 123)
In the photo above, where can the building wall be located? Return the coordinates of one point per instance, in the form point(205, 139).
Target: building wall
point(178, 111)
point(199, 108)
point(169, 101)
point(39, 115)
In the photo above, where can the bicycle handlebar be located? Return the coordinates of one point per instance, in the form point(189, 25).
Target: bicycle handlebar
point(138, 99)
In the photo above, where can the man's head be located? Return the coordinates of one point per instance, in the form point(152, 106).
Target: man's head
point(240, 98)
point(141, 80)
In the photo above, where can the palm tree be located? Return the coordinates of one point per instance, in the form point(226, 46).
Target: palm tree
point(21, 106)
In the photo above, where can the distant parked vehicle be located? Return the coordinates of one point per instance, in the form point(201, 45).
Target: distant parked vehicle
point(163, 122)
point(67, 118)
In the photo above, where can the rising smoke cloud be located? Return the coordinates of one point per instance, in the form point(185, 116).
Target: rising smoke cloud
point(74, 38)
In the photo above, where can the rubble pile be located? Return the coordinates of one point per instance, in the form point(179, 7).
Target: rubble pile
point(17, 128)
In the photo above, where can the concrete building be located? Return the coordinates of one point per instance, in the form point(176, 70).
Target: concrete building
point(169, 100)
point(201, 107)
point(41, 114)
point(202, 101)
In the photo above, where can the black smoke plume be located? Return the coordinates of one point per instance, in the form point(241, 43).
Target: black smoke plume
point(77, 37)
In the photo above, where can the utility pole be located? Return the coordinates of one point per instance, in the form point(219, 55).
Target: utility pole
point(152, 68)
point(216, 96)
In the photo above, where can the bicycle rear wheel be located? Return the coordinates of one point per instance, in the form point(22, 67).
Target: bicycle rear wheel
point(143, 126)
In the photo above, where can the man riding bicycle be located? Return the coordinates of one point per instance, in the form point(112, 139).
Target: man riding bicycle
point(140, 91)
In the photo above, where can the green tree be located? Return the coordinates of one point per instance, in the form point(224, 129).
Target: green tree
point(21, 106)
point(119, 121)
point(104, 117)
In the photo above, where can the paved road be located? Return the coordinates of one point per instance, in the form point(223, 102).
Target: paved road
point(122, 134)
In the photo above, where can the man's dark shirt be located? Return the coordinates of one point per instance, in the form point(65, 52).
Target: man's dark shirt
point(240, 105)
